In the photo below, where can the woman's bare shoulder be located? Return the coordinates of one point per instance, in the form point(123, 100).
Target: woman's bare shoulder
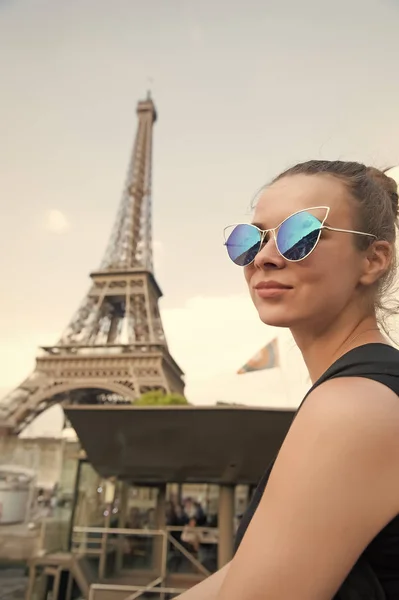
point(353, 417)
point(354, 402)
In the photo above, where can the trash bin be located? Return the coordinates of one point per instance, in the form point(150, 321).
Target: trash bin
point(15, 493)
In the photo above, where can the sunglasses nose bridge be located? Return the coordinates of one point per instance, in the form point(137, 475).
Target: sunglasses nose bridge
point(263, 236)
point(264, 243)
point(267, 235)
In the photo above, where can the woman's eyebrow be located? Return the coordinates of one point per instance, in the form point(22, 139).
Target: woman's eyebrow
point(258, 225)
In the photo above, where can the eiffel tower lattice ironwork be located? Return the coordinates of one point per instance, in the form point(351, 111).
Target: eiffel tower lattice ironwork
point(114, 349)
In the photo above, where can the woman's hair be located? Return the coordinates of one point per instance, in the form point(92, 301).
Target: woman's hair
point(376, 197)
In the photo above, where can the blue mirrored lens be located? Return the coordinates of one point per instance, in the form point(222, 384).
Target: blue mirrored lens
point(243, 244)
point(298, 235)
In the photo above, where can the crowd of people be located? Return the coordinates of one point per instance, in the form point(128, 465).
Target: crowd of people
point(189, 518)
point(186, 520)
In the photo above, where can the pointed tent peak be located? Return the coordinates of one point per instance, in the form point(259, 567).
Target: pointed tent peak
point(147, 105)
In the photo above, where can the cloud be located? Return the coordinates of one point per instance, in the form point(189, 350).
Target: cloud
point(56, 222)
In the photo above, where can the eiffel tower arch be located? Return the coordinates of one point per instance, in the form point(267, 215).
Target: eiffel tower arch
point(114, 348)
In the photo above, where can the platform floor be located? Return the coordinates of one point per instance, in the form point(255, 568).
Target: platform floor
point(13, 583)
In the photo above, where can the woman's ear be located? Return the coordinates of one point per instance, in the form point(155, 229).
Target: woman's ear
point(377, 260)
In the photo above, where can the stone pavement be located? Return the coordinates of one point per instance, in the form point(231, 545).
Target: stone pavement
point(13, 582)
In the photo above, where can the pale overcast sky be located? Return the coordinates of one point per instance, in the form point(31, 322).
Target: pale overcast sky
point(242, 89)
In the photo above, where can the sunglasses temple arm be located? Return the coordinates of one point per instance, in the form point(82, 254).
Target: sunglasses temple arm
point(348, 231)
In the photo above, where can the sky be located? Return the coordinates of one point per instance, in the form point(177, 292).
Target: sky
point(243, 90)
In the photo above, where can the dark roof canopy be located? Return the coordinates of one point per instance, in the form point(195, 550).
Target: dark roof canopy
point(152, 445)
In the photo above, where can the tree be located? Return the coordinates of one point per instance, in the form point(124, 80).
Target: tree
point(159, 398)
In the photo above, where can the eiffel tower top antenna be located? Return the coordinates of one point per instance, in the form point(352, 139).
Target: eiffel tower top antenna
point(150, 84)
point(130, 244)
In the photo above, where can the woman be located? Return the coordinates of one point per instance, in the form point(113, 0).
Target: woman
point(318, 259)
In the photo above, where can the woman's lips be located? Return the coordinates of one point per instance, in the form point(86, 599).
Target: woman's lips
point(271, 289)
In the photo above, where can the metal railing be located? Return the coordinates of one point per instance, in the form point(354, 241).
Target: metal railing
point(102, 542)
point(83, 542)
point(133, 591)
point(121, 551)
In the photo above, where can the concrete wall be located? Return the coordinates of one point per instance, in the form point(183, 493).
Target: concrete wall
point(46, 456)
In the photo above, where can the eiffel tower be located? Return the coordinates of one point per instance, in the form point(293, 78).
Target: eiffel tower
point(114, 349)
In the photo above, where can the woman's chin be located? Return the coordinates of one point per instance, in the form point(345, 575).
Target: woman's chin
point(274, 318)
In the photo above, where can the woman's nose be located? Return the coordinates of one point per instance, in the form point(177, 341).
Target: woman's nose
point(268, 256)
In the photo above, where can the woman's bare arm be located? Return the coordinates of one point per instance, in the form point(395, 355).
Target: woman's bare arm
point(207, 589)
point(334, 486)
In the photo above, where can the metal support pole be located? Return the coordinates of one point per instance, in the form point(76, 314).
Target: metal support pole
point(180, 493)
point(109, 499)
point(160, 511)
point(68, 595)
point(74, 504)
point(124, 496)
point(102, 564)
point(56, 583)
point(31, 583)
point(159, 556)
point(226, 524)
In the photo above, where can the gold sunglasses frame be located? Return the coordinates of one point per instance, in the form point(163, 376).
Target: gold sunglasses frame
point(273, 230)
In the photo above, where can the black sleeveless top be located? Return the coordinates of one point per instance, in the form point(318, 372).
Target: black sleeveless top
point(379, 362)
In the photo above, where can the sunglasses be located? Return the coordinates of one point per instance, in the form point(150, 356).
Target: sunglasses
point(296, 237)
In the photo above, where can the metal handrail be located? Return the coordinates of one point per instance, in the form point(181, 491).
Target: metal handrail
point(118, 530)
point(147, 588)
point(200, 531)
point(167, 537)
point(195, 527)
point(189, 556)
point(130, 588)
point(166, 533)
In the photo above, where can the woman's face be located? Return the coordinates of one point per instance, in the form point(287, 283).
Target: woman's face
point(321, 286)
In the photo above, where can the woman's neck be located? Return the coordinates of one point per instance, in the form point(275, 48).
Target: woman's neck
point(320, 352)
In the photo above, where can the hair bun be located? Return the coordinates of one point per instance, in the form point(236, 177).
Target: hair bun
point(388, 183)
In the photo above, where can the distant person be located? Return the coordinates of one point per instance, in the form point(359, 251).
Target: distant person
point(135, 521)
point(150, 519)
point(200, 516)
point(180, 516)
point(194, 511)
point(323, 523)
point(176, 517)
point(189, 508)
